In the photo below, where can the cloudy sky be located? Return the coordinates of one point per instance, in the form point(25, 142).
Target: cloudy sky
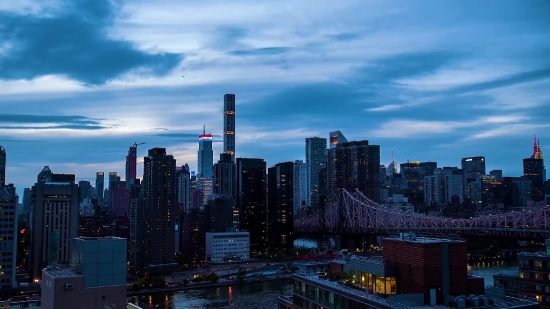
point(80, 81)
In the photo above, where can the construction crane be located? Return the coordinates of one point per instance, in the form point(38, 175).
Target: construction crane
point(136, 144)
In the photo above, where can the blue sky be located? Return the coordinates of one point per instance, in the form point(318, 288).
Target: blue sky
point(80, 81)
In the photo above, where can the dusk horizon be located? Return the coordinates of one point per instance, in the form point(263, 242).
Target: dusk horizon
point(80, 83)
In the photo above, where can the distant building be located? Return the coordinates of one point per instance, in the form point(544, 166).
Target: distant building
point(94, 277)
point(230, 247)
point(280, 205)
point(131, 165)
point(316, 159)
point(2, 166)
point(55, 221)
point(301, 183)
point(27, 194)
point(195, 224)
point(474, 167)
point(497, 174)
point(8, 238)
point(229, 125)
point(354, 166)
point(120, 199)
point(184, 188)
point(160, 201)
point(222, 214)
point(533, 169)
point(45, 175)
point(225, 176)
point(85, 190)
point(206, 163)
point(100, 186)
point(251, 201)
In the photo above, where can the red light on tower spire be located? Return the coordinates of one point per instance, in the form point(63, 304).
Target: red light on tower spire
point(535, 146)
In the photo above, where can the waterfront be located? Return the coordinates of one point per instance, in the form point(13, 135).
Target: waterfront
point(264, 294)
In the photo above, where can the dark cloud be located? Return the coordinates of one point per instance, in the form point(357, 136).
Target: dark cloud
point(520, 78)
point(266, 51)
point(22, 118)
point(348, 36)
point(73, 41)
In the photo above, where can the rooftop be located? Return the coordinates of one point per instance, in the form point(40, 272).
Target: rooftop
point(63, 270)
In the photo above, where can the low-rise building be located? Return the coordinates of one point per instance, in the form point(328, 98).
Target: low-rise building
point(228, 247)
point(94, 277)
point(532, 279)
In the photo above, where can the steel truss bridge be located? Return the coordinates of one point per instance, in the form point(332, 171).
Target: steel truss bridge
point(353, 213)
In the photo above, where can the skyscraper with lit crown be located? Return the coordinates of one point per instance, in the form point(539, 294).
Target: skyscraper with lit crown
point(206, 162)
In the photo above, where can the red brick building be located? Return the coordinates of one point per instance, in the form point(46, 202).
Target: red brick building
point(434, 267)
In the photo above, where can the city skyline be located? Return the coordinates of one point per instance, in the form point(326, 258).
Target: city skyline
point(434, 82)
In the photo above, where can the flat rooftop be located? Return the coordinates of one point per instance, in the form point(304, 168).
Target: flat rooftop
point(99, 238)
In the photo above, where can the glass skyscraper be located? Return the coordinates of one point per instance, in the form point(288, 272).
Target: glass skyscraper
point(316, 158)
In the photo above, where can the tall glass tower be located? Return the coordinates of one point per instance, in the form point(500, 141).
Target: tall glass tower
point(2, 166)
point(229, 125)
point(131, 165)
point(206, 155)
point(316, 158)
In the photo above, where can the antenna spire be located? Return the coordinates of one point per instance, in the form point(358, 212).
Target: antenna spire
point(204, 129)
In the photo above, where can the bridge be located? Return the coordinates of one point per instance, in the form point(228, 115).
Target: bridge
point(353, 213)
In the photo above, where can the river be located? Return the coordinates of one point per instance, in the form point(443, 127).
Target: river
point(264, 295)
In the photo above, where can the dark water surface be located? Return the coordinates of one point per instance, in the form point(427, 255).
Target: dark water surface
point(246, 296)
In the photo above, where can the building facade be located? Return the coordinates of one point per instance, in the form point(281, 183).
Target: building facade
point(184, 188)
point(2, 166)
point(100, 186)
point(473, 167)
point(225, 176)
point(229, 125)
point(251, 201)
point(55, 216)
point(533, 169)
point(301, 182)
point(280, 205)
point(131, 165)
point(160, 197)
point(94, 277)
point(8, 239)
point(229, 247)
point(316, 159)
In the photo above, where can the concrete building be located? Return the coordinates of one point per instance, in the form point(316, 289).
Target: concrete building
point(355, 165)
point(229, 125)
point(230, 247)
point(184, 188)
point(316, 159)
point(301, 182)
point(280, 206)
point(251, 201)
point(159, 211)
point(8, 239)
point(94, 277)
point(99, 186)
point(55, 215)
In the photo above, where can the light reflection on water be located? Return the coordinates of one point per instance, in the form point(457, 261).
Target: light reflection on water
point(246, 296)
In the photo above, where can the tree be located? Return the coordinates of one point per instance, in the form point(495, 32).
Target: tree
point(240, 275)
point(213, 277)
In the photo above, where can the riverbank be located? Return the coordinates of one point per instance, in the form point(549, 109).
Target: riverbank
point(194, 286)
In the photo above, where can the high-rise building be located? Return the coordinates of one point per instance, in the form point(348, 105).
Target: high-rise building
point(225, 176)
point(131, 165)
point(84, 189)
point(533, 169)
point(443, 185)
point(184, 188)
point(302, 191)
point(55, 215)
point(8, 238)
point(2, 166)
point(474, 167)
point(160, 197)
point(392, 167)
point(355, 165)
point(27, 200)
point(137, 225)
point(222, 214)
point(113, 177)
point(195, 223)
point(497, 174)
point(120, 199)
point(316, 159)
point(206, 162)
point(100, 186)
point(280, 205)
point(516, 192)
point(251, 201)
point(229, 125)
point(45, 175)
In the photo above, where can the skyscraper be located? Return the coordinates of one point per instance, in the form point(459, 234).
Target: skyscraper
point(355, 165)
point(55, 215)
point(251, 201)
point(2, 166)
point(533, 169)
point(45, 175)
point(229, 125)
point(316, 158)
point(131, 165)
point(160, 197)
point(206, 162)
point(302, 191)
point(99, 186)
point(474, 167)
point(280, 205)
point(225, 176)
point(8, 239)
point(184, 188)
